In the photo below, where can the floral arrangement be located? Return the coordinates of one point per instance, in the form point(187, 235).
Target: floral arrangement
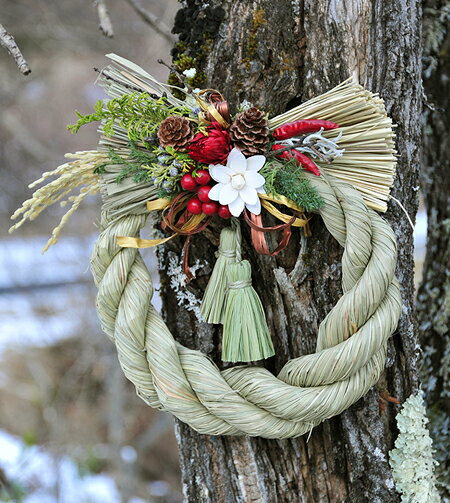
point(207, 162)
point(223, 162)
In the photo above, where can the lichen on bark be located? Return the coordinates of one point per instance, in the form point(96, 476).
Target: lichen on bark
point(412, 459)
point(433, 301)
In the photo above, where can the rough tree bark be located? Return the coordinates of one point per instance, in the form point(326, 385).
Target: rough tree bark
point(276, 55)
point(434, 294)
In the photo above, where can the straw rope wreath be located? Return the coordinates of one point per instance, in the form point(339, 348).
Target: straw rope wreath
point(352, 339)
point(244, 400)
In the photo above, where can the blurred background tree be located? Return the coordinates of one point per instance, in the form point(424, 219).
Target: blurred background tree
point(434, 294)
point(61, 389)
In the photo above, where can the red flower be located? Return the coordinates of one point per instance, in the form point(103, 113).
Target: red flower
point(212, 148)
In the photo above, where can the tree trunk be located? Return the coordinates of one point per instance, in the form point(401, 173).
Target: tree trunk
point(276, 55)
point(434, 294)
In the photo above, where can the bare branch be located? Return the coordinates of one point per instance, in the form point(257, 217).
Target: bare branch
point(178, 73)
point(105, 24)
point(8, 42)
point(154, 21)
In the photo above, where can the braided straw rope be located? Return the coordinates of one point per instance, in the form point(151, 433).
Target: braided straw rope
point(243, 400)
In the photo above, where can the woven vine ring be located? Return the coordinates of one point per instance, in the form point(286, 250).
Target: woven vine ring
point(244, 400)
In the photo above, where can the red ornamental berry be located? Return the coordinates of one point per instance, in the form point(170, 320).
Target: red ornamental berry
point(188, 182)
point(224, 212)
point(202, 177)
point(210, 208)
point(202, 193)
point(194, 206)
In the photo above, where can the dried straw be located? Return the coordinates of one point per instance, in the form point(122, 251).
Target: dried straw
point(214, 296)
point(69, 176)
point(351, 342)
point(369, 159)
point(351, 347)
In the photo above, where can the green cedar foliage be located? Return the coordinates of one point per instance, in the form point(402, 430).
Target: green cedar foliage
point(137, 113)
point(287, 179)
point(136, 165)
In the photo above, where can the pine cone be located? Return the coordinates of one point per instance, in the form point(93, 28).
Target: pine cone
point(250, 132)
point(175, 132)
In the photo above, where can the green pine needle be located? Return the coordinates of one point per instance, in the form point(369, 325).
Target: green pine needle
point(287, 179)
point(136, 165)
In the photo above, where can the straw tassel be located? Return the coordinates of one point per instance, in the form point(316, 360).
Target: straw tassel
point(230, 299)
point(215, 293)
point(246, 335)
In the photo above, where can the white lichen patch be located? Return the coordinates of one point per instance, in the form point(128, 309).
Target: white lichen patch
point(190, 73)
point(378, 453)
point(178, 283)
point(244, 105)
point(389, 483)
point(412, 460)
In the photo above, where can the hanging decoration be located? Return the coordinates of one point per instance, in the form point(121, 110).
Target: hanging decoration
point(192, 162)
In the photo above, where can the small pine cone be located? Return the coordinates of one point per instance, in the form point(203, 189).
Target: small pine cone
point(176, 132)
point(250, 132)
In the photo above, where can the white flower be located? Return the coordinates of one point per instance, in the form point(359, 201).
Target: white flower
point(239, 182)
point(190, 73)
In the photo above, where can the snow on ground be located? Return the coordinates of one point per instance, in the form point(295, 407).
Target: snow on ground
point(46, 298)
point(420, 235)
point(22, 264)
point(44, 317)
point(45, 478)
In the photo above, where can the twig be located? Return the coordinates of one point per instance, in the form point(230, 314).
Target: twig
point(299, 144)
point(273, 153)
point(105, 24)
point(404, 211)
point(175, 70)
point(8, 42)
point(319, 154)
point(385, 395)
point(127, 86)
point(156, 23)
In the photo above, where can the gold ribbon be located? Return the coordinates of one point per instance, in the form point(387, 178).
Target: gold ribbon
point(128, 242)
point(268, 199)
point(210, 108)
point(195, 220)
point(156, 205)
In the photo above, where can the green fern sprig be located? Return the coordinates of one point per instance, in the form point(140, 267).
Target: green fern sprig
point(137, 113)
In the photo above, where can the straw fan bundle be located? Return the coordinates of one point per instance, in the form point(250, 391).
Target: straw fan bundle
point(182, 155)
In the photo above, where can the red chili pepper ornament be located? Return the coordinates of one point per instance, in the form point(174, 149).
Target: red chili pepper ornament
point(301, 159)
point(300, 127)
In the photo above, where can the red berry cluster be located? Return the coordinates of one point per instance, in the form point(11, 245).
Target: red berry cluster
point(201, 203)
